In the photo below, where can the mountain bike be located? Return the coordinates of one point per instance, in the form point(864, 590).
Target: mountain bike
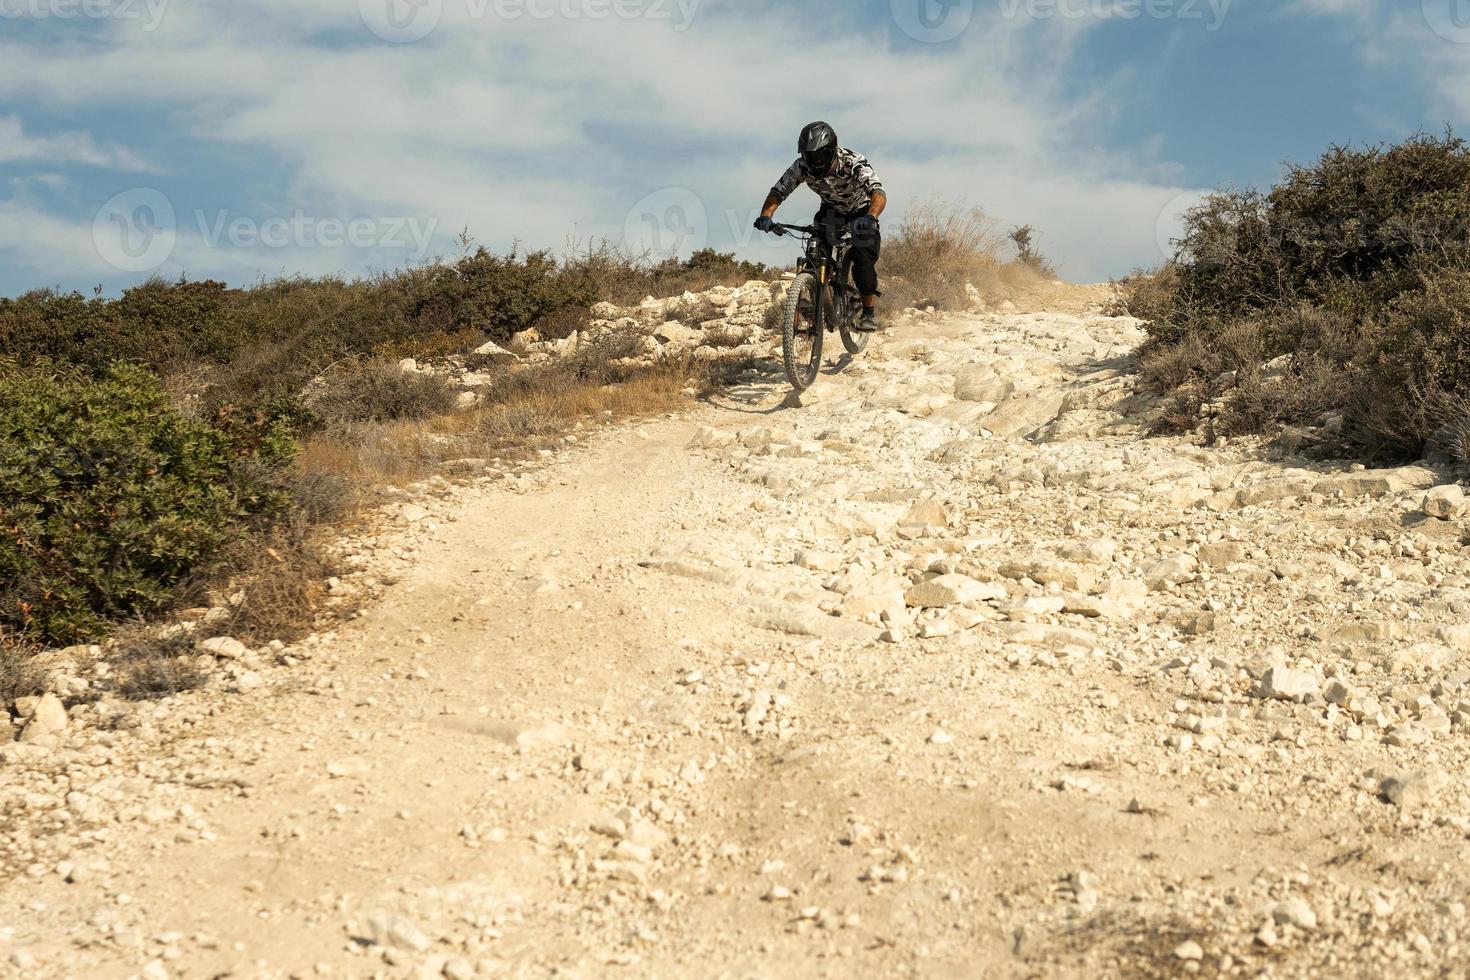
point(820, 298)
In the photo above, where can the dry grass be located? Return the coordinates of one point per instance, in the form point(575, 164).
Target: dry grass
point(356, 391)
point(939, 248)
point(280, 581)
point(20, 676)
point(526, 410)
point(1146, 293)
point(146, 666)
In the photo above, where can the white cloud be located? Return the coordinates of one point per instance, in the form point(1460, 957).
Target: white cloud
point(16, 146)
point(532, 128)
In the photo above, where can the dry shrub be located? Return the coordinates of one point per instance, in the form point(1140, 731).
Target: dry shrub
point(625, 279)
point(280, 579)
point(1358, 267)
point(525, 409)
point(1147, 294)
point(727, 336)
point(20, 675)
point(1180, 411)
point(563, 323)
point(602, 362)
point(1024, 240)
point(1450, 440)
point(1167, 367)
point(1311, 390)
point(148, 666)
point(937, 250)
point(379, 391)
point(435, 344)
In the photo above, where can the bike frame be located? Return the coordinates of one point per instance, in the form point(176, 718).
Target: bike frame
point(830, 264)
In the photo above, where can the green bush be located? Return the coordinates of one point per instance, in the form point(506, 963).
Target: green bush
point(1356, 267)
point(258, 347)
point(109, 498)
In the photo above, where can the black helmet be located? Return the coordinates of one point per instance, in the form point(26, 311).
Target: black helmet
point(818, 148)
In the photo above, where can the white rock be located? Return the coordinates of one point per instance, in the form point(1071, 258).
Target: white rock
point(396, 932)
point(1286, 684)
point(1446, 502)
point(675, 332)
point(459, 968)
point(1189, 950)
point(412, 513)
point(224, 647)
point(341, 769)
point(1411, 791)
point(927, 512)
point(951, 590)
point(495, 352)
point(609, 827)
point(1222, 553)
point(1054, 637)
point(1175, 570)
point(633, 852)
point(1097, 552)
point(1455, 636)
point(48, 717)
point(1295, 911)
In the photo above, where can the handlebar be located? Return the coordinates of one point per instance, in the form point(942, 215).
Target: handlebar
point(778, 228)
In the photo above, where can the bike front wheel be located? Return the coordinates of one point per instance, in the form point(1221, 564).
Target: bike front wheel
point(801, 331)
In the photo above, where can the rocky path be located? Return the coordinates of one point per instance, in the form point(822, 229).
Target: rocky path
point(948, 671)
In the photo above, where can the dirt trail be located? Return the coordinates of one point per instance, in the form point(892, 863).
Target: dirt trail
point(948, 671)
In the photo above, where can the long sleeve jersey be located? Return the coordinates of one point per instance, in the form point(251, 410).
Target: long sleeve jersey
point(848, 188)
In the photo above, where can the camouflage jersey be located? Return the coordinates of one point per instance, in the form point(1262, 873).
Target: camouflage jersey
point(849, 187)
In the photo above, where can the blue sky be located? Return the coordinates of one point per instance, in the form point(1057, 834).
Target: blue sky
point(241, 139)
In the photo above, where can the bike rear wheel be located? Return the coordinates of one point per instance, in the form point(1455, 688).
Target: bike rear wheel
point(853, 339)
point(801, 331)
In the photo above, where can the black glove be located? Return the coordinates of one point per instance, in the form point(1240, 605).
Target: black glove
point(764, 223)
point(863, 225)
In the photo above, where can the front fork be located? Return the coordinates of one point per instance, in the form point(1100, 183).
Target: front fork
point(827, 307)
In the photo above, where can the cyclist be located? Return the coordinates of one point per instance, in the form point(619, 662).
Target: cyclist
point(851, 195)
